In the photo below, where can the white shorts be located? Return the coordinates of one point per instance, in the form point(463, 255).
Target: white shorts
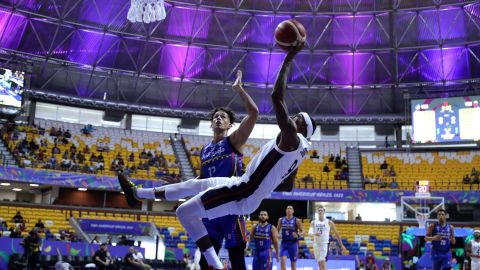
point(320, 251)
point(475, 264)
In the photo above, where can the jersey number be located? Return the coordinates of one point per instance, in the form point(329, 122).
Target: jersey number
point(211, 171)
point(290, 170)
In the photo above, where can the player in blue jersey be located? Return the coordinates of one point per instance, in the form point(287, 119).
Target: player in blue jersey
point(264, 234)
point(223, 158)
point(291, 229)
point(442, 237)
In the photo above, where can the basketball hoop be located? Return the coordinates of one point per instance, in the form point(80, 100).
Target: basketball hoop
point(422, 220)
point(146, 11)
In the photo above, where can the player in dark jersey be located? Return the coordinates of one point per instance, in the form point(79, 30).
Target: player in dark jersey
point(442, 237)
point(291, 229)
point(223, 158)
point(264, 234)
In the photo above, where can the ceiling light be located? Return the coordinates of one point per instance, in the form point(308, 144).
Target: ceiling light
point(16, 189)
point(5, 184)
point(34, 185)
point(82, 189)
point(182, 200)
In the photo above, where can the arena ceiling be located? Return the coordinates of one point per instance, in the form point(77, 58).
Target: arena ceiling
point(363, 59)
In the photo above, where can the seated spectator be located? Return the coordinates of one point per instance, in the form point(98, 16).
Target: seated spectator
point(17, 218)
point(86, 150)
point(55, 150)
point(96, 240)
point(131, 263)
point(474, 172)
point(384, 165)
point(392, 172)
point(358, 218)
point(338, 163)
point(370, 179)
point(87, 130)
point(102, 259)
point(39, 225)
point(326, 168)
point(67, 134)
point(100, 158)
point(53, 132)
point(394, 183)
point(93, 158)
point(331, 158)
point(314, 154)
point(66, 163)
point(344, 161)
point(475, 179)
point(466, 179)
point(3, 226)
point(109, 240)
point(307, 179)
point(143, 154)
point(139, 258)
point(123, 241)
point(131, 158)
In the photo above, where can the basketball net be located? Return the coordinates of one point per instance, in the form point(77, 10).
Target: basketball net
point(146, 11)
point(422, 220)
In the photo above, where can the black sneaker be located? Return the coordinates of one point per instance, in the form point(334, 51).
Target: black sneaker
point(129, 189)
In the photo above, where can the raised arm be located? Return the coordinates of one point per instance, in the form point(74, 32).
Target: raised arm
point(287, 126)
point(239, 137)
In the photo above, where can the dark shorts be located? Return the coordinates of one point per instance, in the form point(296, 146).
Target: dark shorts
point(289, 249)
point(230, 227)
point(442, 261)
point(262, 260)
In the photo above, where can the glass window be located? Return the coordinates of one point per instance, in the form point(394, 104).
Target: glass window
point(46, 111)
point(139, 122)
point(357, 133)
point(68, 114)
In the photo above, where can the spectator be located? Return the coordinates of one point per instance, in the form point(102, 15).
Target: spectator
point(87, 130)
point(387, 265)
point(326, 168)
point(394, 183)
point(344, 161)
point(143, 154)
point(314, 154)
point(331, 158)
point(31, 249)
point(18, 218)
point(109, 240)
point(3, 226)
point(466, 179)
point(476, 179)
point(123, 241)
point(86, 150)
point(358, 217)
point(474, 172)
point(370, 180)
point(67, 134)
point(131, 158)
point(130, 262)
point(392, 171)
point(100, 158)
point(39, 225)
point(102, 259)
point(307, 179)
point(370, 263)
point(53, 132)
point(139, 258)
point(338, 162)
point(384, 165)
point(337, 158)
point(55, 150)
point(96, 240)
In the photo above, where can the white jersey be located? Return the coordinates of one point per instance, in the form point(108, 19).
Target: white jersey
point(322, 228)
point(268, 168)
point(475, 250)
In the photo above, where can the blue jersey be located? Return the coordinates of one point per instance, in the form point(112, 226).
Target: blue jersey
point(263, 237)
point(289, 226)
point(443, 245)
point(220, 159)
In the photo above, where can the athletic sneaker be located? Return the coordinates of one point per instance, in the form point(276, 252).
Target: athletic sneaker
point(129, 189)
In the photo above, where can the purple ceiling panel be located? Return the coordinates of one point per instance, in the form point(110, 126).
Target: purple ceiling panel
point(342, 28)
point(231, 24)
point(364, 27)
point(12, 27)
point(341, 69)
point(182, 61)
point(261, 29)
point(149, 56)
point(472, 21)
point(405, 27)
point(383, 67)
point(189, 22)
point(452, 24)
point(430, 65)
point(364, 68)
point(129, 53)
point(87, 47)
point(407, 66)
point(382, 30)
point(262, 67)
point(318, 30)
point(221, 63)
point(474, 62)
point(455, 63)
point(310, 68)
point(428, 27)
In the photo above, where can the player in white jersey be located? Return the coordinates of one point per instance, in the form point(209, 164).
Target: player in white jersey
point(473, 251)
point(274, 167)
point(320, 229)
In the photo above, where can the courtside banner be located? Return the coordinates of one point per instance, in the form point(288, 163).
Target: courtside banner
point(114, 226)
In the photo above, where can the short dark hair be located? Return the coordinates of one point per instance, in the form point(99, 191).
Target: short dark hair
point(231, 114)
point(441, 211)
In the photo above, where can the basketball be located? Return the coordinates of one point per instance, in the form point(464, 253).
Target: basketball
point(290, 33)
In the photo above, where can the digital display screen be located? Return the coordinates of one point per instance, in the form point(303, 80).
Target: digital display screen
point(11, 87)
point(446, 119)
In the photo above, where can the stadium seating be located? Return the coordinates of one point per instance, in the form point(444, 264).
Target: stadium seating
point(444, 170)
point(118, 141)
point(311, 166)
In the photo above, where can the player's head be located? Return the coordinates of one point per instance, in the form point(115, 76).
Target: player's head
point(289, 210)
point(263, 216)
point(476, 234)
point(441, 215)
point(305, 124)
point(321, 212)
point(222, 118)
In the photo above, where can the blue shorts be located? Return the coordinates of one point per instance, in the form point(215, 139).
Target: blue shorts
point(262, 260)
point(230, 227)
point(289, 249)
point(442, 261)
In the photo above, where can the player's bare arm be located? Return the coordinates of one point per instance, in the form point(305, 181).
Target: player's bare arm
point(429, 235)
point(276, 244)
point(452, 235)
point(337, 235)
point(252, 232)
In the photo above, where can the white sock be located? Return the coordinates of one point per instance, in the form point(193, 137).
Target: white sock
point(145, 193)
point(212, 258)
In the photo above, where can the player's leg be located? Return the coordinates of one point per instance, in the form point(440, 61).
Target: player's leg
point(283, 255)
point(190, 215)
point(215, 232)
point(203, 262)
point(293, 254)
point(256, 262)
point(474, 265)
point(322, 256)
point(235, 234)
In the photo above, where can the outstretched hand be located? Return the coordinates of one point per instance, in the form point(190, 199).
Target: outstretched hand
point(237, 85)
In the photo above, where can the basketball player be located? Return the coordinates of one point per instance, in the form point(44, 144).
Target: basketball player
point(223, 158)
point(274, 167)
point(320, 229)
point(264, 234)
point(473, 251)
point(441, 235)
point(291, 229)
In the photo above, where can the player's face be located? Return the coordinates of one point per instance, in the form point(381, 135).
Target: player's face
point(300, 123)
point(476, 235)
point(263, 217)
point(221, 121)
point(321, 213)
point(441, 216)
point(289, 210)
